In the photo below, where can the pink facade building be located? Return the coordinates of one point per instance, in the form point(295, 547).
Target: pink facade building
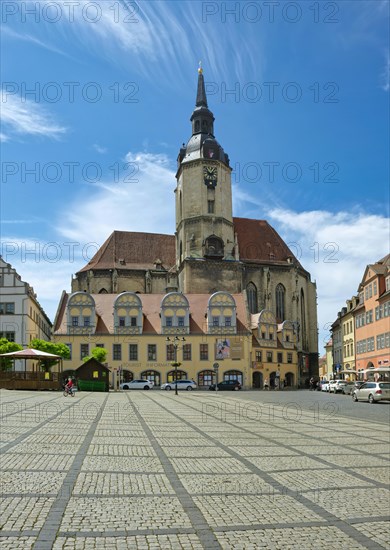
point(372, 319)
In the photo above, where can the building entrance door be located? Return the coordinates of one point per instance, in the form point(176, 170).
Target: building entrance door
point(257, 380)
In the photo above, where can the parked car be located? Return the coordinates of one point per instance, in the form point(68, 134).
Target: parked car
point(227, 385)
point(181, 385)
point(140, 384)
point(336, 386)
point(324, 385)
point(348, 388)
point(372, 392)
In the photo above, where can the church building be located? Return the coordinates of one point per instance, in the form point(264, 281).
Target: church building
point(212, 256)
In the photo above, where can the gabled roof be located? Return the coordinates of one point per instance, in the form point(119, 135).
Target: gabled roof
point(132, 250)
point(381, 267)
point(259, 242)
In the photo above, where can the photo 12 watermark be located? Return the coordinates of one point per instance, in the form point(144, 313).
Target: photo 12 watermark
point(274, 92)
point(271, 11)
point(68, 172)
point(272, 171)
point(69, 92)
point(47, 252)
point(70, 11)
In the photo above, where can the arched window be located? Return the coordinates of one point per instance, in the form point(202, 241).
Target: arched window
point(233, 375)
point(205, 378)
point(127, 375)
point(251, 292)
point(280, 309)
point(152, 375)
point(289, 379)
point(197, 126)
point(214, 247)
point(181, 375)
point(103, 291)
point(303, 320)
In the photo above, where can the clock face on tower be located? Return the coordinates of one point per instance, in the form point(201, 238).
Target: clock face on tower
point(210, 176)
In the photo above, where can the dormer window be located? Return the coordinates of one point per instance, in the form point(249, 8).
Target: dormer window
point(221, 312)
point(128, 313)
point(175, 314)
point(81, 313)
point(267, 327)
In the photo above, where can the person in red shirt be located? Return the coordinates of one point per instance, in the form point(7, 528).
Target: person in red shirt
point(69, 385)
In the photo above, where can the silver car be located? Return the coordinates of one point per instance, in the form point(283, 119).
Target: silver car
point(140, 384)
point(351, 387)
point(372, 392)
point(348, 388)
point(336, 386)
point(181, 385)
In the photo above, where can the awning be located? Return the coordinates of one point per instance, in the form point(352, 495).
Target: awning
point(377, 369)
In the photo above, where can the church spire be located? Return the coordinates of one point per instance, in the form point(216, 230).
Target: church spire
point(201, 99)
point(202, 143)
point(202, 118)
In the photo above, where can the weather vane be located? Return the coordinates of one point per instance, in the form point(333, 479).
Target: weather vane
point(200, 70)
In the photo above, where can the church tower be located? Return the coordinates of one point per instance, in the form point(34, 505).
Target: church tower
point(205, 241)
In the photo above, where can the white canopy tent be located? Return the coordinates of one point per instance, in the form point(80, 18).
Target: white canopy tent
point(376, 369)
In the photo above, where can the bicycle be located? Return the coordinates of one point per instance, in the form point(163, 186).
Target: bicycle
point(68, 391)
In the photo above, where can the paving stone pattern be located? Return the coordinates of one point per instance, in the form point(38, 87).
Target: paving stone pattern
point(149, 470)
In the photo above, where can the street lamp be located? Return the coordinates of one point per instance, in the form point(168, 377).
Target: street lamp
point(175, 345)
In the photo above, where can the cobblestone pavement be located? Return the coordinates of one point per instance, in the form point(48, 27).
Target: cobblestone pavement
point(149, 470)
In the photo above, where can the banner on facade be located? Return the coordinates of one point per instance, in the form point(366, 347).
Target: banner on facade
point(222, 349)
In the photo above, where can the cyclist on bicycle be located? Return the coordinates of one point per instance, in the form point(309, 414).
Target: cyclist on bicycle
point(69, 386)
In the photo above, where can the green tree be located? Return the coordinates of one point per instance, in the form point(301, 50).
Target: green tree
point(7, 347)
point(50, 347)
point(100, 354)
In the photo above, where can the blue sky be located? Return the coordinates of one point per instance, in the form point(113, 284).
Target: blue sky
point(300, 95)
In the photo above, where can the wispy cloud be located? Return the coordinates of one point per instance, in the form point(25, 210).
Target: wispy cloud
point(142, 200)
point(27, 117)
point(101, 150)
point(335, 248)
point(57, 258)
point(157, 39)
point(8, 32)
point(385, 76)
